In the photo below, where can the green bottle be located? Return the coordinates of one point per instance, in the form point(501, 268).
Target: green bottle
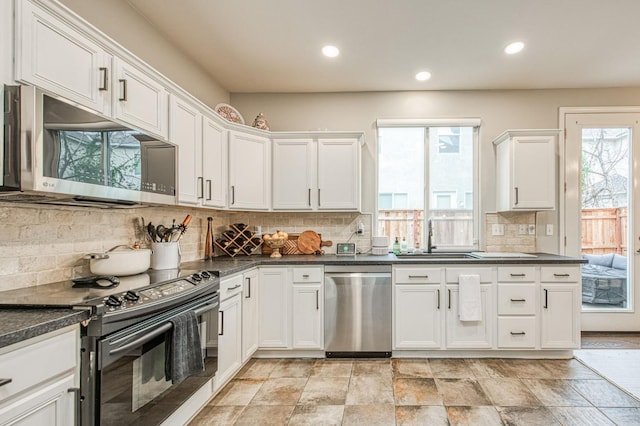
point(396, 246)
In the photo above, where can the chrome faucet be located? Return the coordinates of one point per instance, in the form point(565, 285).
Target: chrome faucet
point(430, 247)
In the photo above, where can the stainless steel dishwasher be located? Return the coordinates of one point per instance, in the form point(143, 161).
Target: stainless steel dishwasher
point(357, 310)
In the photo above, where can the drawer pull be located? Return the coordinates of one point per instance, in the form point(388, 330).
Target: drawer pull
point(234, 287)
point(5, 381)
point(317, 300)
point(438, 306)
point(419, 276)
point(518, 333)
point(248, 296)
point(518, 275)
point(561, 275)
point(546, 299)
point(518, 300)
point(449, 301)
point(105, 79)
point(305, 276)
point(124, 90)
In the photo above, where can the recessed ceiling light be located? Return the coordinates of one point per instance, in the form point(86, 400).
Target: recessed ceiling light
point(514, 47)
point(330, 51)
point(423, 76)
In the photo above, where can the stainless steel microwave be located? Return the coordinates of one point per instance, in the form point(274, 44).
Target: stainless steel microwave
point(58, 152)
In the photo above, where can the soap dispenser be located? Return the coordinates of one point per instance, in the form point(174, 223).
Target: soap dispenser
point(396, 246)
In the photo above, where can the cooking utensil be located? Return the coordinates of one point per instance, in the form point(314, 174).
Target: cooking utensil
point(151, 230)
point(119, 261)
point(161, 232)
point(309, 242)
point(208, 243)
point(183, 226)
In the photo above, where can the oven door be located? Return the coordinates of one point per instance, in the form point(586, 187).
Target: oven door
point(132, 384)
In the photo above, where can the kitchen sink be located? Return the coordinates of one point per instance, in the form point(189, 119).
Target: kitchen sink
point(440, 255)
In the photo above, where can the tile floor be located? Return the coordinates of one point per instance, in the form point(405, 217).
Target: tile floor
point(419, 392)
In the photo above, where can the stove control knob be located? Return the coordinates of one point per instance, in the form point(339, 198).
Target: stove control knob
point(131, 296)
point(196, 277)
point(206, 275)
point(113, 301)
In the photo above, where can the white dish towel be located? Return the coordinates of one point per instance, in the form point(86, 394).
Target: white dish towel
point(469, 303)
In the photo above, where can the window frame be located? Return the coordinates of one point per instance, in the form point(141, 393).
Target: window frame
point(426, 123)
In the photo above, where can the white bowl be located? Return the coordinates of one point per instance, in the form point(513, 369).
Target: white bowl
point(380, 241)
point(120, 262)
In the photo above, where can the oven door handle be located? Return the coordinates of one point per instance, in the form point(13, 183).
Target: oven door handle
point(158, 331)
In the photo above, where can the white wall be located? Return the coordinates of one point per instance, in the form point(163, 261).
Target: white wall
point(498, 109)
point(125, 25)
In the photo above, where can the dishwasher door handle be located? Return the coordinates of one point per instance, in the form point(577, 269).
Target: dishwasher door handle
point(358, 275)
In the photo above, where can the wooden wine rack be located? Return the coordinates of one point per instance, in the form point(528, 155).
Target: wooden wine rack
point(235, 246)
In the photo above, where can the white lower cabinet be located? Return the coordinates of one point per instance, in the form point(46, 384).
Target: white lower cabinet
point(44, 380)
point(273, 308)
point(229, 329)
point(250, 296)
point(418, 317)
point(469, 334)
point(561, 300)
point(290, 313)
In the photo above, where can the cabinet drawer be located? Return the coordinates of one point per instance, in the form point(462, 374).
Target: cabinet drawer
point(417, 275)
point(560, 274)
point(517, 274)
point(37, 363)
point(486, 274)
point(517, 332)
point(230, 286)
point(307, 275)
point(516, 299)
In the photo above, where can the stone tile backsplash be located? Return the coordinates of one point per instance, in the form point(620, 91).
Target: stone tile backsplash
point(44, 244)
point(512, 240)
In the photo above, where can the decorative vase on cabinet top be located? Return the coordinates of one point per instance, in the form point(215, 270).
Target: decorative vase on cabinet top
point(260, 122)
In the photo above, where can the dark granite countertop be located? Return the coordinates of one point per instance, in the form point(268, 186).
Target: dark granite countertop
point(229, 266)
point(20, 324)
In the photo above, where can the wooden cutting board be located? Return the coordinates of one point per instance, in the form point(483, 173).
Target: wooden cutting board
point(310, 242)
point(290, 246)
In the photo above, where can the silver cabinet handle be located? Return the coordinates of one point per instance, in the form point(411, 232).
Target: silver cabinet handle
point(518, 333)
point(5, 381)
point(209, 189)
point(438, 296)
point(518, 275)
point(309, 197)
point(248, 296)
point(419, 276)
point(317, 300)
point(518, 300)
point(561, 275)
point(105, 79)
point(318, 196)
point(233, 194)
point(201, 186)
point(234, 287)
point(516, 202)
point(124, 90)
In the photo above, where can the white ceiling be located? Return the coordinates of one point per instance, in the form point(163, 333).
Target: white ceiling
point(274, 46)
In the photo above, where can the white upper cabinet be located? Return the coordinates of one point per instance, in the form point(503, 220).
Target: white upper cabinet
point(139, 99)
point(294, 179)
point(338, 174)
point(54, 56)
point(320, 172)
point(214, 163)
point(186, 132)
point(249, 171)
point(526, 170)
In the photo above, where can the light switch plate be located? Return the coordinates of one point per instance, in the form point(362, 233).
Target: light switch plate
point(497, 229)
point(549, 229)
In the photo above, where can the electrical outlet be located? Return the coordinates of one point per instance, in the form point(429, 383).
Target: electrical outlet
point(549, 229)
point(497, 229)
point(522, 229)
point(532, 229)
point(360, 228)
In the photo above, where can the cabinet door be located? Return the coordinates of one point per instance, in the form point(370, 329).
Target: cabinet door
point(186, 132)
point(139, 99)
point(417, 317)
point(294, 164)
point(50, 404)
point(534, 172)
point(250, 314)
point(560, 319)
point(214, 163)
point(273, 309)
point(338, 174)
point(54, 56)
point(470, 334)
point(249, 171)
point(229, 339)
point(307, 321)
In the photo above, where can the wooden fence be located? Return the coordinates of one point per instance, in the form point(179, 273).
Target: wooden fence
point(604, 230)
point(450, 227)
